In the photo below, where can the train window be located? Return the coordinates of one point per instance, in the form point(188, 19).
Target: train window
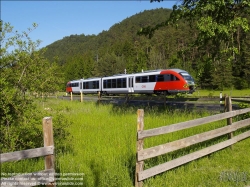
point(186, 76)
point(137, 79)
point(97, 84)
point(160, 78)
point(119, 83)
point(113, 83)
point(91, 85)
point(105, 84)
point(87, 85)
point(151, 78)
point(174, 78)
point(109, 83)
point(167, 77)
point(124, 83)
point(75, 84)
point(144, 79)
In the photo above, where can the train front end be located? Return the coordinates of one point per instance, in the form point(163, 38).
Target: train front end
point(68, 87)
point(190, 84)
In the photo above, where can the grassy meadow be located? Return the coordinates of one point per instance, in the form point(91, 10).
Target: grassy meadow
point(216, 93)
point(102, 148)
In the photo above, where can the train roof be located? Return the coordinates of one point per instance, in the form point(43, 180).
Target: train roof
point(116, 75)
point(119, 75)
point(149, 71)
point(159, 70)
point(75, 80)
point(178, 70)
point(93, 78)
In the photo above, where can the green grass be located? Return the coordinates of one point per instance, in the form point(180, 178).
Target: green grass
point(103, 148)
point(216, 93)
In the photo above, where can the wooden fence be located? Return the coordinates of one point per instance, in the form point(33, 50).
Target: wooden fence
point(46, 176)
point(143, 154)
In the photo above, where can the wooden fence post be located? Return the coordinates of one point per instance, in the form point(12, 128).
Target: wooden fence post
point(48, 141)
point(139, 144)
point(99, 96)
point(228, 104)
point(81, 96)
point(71, 96)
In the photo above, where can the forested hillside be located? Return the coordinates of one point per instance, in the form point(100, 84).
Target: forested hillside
point(119, 48)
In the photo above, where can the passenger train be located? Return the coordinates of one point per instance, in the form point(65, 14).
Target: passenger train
point(169, 81)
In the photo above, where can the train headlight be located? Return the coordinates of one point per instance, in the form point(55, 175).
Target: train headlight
point(185, 85)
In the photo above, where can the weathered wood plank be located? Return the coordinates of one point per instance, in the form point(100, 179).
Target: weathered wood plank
point(139, 143)
point(229, 109)
point(29, 179)
point(29, 153)
point(190, 157)
point(185, 142)
point(241, 100)
point(189, 124)
point(48, 141)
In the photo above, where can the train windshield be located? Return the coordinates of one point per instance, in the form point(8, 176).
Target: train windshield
point(187, 77)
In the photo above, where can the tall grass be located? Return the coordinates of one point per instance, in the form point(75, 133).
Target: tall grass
point(103, 148)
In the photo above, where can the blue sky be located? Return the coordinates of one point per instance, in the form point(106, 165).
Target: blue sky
point(57, 19)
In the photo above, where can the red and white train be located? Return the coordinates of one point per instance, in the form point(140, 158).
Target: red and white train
point(170, 81)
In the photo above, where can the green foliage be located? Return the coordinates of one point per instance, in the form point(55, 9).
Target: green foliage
point(24, 70)
point(219, 35)
point(246, 115)
point(23, 131)
point(222, 27)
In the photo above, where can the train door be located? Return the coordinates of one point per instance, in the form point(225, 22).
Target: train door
point(131, 84)
point(81, 85)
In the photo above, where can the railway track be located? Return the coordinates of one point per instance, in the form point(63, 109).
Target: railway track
point(208, 104)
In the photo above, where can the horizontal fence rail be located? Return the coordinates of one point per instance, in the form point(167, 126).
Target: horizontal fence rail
point(185, 142)
point(143, 154)
point(241, 100)
point(29, 153)
point(190, 157)
point(39, 177)
point(189, 124)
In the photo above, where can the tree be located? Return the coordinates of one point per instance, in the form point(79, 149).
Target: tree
point(222, 26)
point(109, 64)
point(23, 69)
